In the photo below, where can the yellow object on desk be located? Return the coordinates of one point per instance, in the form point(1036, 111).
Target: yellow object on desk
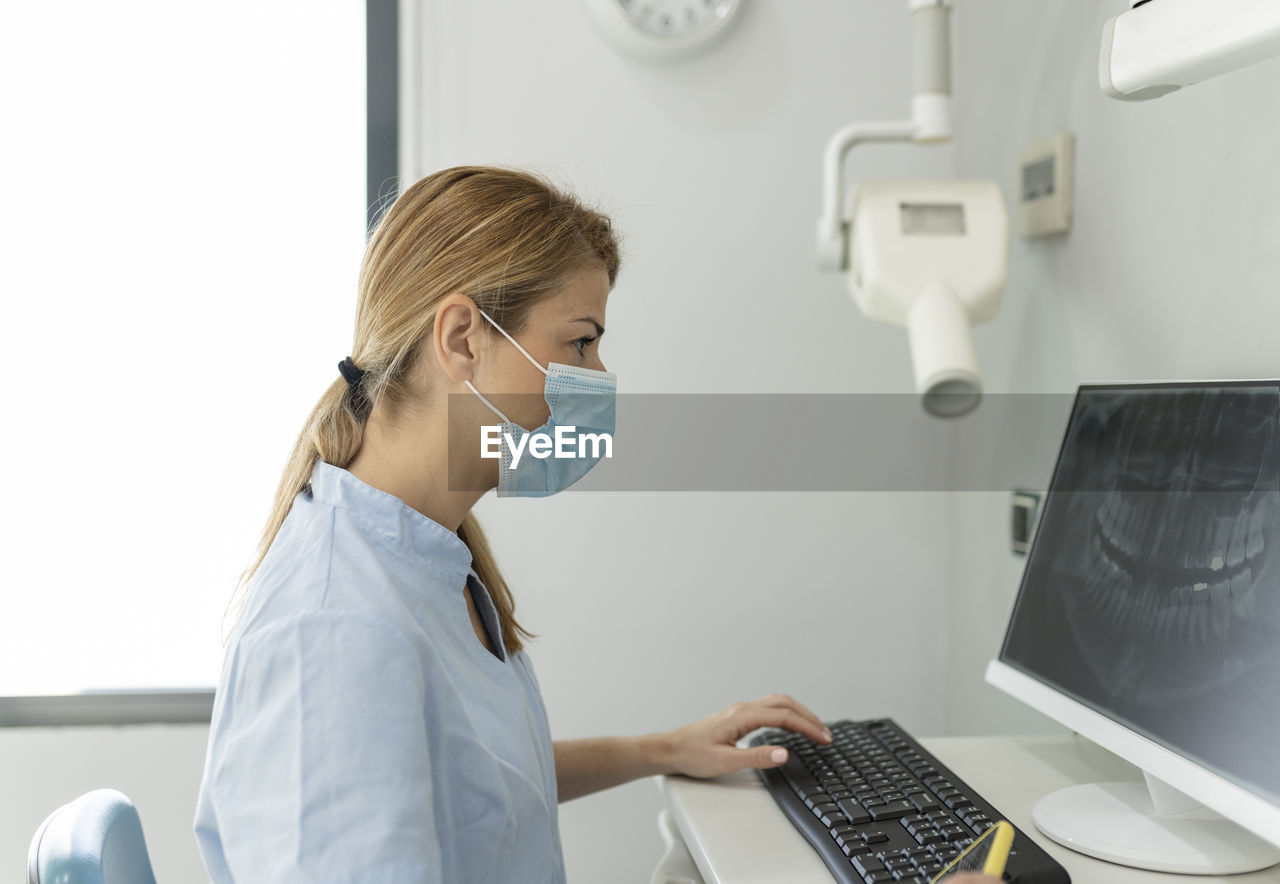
point(987, 855)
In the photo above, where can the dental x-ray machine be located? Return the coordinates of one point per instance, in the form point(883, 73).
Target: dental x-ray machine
point(1160, 46)
point(929, 255)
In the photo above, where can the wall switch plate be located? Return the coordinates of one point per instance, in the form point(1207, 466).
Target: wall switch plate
point(1026, 507)
point(1046, 179)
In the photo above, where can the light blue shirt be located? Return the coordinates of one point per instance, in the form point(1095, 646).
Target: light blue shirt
point(361, 731)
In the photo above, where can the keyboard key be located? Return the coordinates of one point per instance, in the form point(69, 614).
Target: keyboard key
point(923, 802)
point(854, 811)
point(833, 817)
point(891, 810)
point(876, 837)
point(852, 840)
point(865, 865)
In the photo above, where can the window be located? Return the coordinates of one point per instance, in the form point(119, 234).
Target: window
point(184, 217)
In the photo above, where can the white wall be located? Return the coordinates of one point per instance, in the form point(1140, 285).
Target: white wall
point(1170, 271)
point(157, 766)
point(657, 609)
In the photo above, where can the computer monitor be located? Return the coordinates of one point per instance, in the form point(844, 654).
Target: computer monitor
point(1148, 621)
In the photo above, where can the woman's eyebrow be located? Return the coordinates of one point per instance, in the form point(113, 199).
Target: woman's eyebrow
point(599, 327)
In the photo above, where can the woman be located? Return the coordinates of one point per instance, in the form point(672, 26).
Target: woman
point(377, 718)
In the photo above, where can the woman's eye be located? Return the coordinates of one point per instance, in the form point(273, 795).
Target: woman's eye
point(582, 344)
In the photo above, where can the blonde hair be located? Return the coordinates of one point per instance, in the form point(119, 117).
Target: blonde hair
point(504, 237)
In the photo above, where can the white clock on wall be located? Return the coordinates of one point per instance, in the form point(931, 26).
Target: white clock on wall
point(661, 30)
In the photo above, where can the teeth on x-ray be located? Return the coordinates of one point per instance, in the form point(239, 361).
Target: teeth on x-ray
point(1220, 608)
point(1221, 549)
point(1235, 553)
point(1242, 594)
point(1178, 532)
point(1255, 533)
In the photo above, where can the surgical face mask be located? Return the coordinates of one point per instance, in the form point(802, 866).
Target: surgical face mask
point(582, 402)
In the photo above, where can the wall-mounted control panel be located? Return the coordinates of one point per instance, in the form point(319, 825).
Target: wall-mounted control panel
point(1026, 507)
point(1045, 183)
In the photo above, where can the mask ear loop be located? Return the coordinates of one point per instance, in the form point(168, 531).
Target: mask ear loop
point(487, 403)
point(513, 341)
point(516, 344)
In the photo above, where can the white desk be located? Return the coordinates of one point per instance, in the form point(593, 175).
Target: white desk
point(737, 835)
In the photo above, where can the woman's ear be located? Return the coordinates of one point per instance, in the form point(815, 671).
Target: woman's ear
point(457, 336)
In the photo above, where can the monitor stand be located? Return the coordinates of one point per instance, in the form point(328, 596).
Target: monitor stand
point(1119, 822)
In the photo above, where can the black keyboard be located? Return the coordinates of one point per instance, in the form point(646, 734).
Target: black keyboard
point(877, 807)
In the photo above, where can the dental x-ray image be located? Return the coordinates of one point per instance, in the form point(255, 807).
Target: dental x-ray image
point(1152, 590)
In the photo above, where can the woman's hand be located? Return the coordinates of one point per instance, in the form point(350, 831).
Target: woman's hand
point(706, 747)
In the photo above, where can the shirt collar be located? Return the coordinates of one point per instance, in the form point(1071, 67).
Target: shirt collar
point(429, 543)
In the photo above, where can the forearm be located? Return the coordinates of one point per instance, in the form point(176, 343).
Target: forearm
point(586, 766)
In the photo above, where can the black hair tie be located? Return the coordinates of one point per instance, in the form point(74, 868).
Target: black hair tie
point(352, 375)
